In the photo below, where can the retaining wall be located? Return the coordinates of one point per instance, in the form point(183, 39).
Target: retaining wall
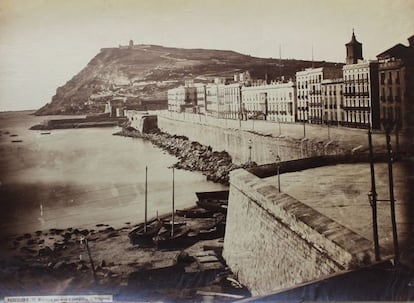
point(237, 142)
point(274, 241)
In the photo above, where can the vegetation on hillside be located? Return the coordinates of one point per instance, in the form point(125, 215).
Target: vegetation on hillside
point(146, 72)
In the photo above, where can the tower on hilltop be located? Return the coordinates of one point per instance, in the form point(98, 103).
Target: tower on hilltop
point(353, 50)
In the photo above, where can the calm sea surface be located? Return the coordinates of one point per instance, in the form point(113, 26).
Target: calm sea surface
point(82, 177)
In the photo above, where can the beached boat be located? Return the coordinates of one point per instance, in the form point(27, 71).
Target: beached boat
point(213, 200)
point(144, 232)
point(45, 133)
point(168, 224)
point(173, 234)
point(195, 213)
point(16, 141)
point(168, 238)
point(212, 230)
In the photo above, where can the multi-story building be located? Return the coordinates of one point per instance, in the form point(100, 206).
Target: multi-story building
point(275, 101)
point(212, 103)
point(361, 107)
point(201, 97)
point(182, 98)
point(361, 100)
point(232, 108)
point(332, 100)
point(215, 104)
point(310, 103)
point(396, 85)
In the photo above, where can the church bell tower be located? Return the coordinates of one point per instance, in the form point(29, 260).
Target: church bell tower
point(353, 50)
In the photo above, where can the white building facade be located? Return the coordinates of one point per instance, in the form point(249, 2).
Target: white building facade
point(182, 98)
point(361, 95)
point(333, 101)
point(274, 102)
point(310, 104)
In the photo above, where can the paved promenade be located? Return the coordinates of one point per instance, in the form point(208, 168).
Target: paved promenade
point(348, 138)
point(341, 193)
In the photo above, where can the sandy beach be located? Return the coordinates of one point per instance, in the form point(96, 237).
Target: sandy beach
point(56, 262)
point(59, 187)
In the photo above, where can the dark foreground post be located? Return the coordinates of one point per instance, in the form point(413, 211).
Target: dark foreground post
point(172, 214)
point(278, 171)
point(304, 127)
point(392, 199)
point(373, 198)
point(90, 259)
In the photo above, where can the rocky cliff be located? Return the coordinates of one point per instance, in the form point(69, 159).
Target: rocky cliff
point(145, 72)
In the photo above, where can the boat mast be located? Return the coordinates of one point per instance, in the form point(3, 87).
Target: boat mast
point(172, 221)
point(146, 177)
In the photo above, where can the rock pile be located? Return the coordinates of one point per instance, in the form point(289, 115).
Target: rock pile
point(192, 155)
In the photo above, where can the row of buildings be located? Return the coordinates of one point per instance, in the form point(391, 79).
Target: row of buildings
point(361, 93)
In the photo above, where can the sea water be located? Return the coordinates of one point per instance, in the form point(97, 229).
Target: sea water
point(83, 177)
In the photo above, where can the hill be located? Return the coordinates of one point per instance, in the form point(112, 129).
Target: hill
point(145, 72)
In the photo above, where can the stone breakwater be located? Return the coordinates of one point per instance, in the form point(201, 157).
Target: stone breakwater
point(192, 155)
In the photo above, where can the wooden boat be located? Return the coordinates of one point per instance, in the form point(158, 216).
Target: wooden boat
point(168, 224)
point(17, 141)
point(173, 234)
point(195, 213)
point(144, 232)
point(142, 235)
point(213, 200)
point(212, 230)
point(212, 233)
point(166, 239)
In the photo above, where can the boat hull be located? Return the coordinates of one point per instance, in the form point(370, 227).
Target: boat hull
point(164, 240)
point(142, 237)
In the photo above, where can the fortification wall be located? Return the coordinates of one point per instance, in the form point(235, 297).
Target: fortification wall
point(236, 142)
point(274, 241)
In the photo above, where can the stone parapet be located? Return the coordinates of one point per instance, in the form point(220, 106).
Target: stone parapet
point(274, 241)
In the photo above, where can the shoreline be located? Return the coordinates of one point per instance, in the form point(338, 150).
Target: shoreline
point(56, 262)
point(192, 156)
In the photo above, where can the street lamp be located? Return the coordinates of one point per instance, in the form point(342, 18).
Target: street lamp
point(250, 150)
point(278, 171)
point(372, 196)
point(388, 125)
point(280, 129)
point(304, 125)
point(327, 124)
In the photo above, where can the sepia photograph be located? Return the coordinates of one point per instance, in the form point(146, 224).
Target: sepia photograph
point(206, 151)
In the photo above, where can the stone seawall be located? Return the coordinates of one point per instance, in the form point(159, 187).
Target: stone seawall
point(236, 142)
point(192, 155)
point(274, 241)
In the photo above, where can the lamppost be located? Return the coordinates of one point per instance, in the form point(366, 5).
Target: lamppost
point(280, 129)
point(372, 196)
point(327, 124)
point(250, 150)
point(278, 171)
point(388, 125)
point(304, 121)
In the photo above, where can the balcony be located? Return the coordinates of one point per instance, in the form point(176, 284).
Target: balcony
point(356, 108)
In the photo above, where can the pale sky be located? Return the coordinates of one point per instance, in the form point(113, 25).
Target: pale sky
point(44, 43)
